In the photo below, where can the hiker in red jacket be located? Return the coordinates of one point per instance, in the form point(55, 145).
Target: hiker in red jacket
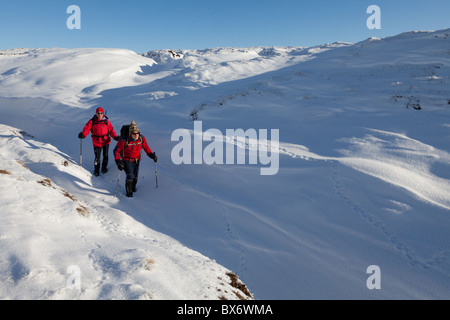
point(102, 131)
point(127, 154)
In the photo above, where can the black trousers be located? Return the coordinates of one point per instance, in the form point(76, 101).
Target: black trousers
point(98, 153)
point(132, 169)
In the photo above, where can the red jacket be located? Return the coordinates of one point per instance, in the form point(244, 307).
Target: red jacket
point(131, 151)
point(102, 131)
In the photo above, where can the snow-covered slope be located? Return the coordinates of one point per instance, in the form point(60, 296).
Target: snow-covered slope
point(363, 179)
point(69, 76)
point(53, 242)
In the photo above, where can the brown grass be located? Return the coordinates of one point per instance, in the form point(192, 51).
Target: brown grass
point(46, 182)
point(83, 211)
point(5, 172)
point(149, 264)
point(68, 195)
point(22, 164)
point(237, 283)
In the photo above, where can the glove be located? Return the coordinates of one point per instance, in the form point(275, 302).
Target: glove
point(120, 165)
point(153, 156)
point(81, 135)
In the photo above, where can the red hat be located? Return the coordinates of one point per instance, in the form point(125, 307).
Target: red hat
point(99, 109)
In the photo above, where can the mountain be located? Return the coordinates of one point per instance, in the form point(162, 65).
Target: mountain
point(356, 134)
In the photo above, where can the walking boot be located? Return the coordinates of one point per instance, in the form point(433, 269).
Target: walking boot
point(134, 184)
point(129, 188)
point(97, 170)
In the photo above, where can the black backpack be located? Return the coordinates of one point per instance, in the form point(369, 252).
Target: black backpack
point(125, 134)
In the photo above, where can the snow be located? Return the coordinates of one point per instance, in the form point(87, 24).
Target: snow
point(363, 179)
point(56, 74)
point(46, 232)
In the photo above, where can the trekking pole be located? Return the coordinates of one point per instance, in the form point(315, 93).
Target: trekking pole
point(81, 152)
point(117, 186)
point(156, 176)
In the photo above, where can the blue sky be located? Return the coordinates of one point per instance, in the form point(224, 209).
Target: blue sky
point(197, 24)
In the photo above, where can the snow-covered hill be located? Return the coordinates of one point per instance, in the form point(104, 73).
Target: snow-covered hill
point(363, 179)
point(49, 237)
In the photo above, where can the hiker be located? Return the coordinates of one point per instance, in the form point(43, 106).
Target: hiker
point(127, 154)
point(102, 131)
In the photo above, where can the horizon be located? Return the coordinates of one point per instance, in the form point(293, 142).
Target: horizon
point(200, 24)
